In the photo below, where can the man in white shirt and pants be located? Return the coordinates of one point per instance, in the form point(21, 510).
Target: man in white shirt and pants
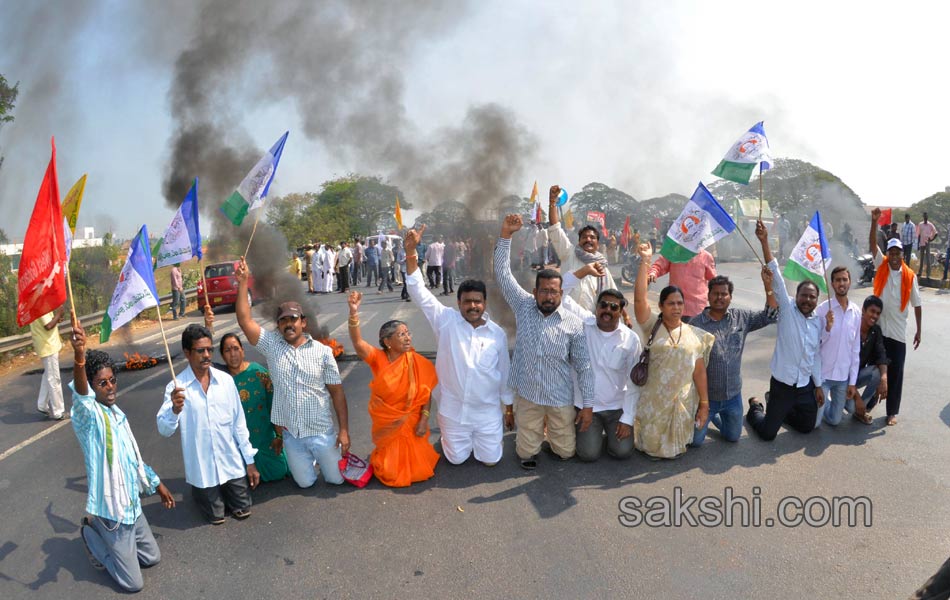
point(614, 349)
point(472, 364)
point(434, 255)
point(215, 443)
point(840, 350)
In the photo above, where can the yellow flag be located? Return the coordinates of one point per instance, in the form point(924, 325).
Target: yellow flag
point(398, 214)
point(569, 219)
point(71, 203)
point(534, 192)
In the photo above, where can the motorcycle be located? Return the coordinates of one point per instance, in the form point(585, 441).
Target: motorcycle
point(631, 264)
point(865, 267)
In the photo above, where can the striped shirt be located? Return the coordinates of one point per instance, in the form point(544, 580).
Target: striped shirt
point(724, 368)
point(89, 424)
point(908, 233)
point(545, 347)
point(300, 377)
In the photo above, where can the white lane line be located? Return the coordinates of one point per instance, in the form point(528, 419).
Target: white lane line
point(11, 451)
point(158, 334)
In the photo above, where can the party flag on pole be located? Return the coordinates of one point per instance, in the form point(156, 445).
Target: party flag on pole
point(70, 208)
point(41, 285)
point(252, 191)
point(182, 239)
point(811, 256)
point(136, 289)
point(749, 150)
point(702, 222)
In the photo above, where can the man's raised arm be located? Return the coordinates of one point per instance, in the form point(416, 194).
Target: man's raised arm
point(242, 308)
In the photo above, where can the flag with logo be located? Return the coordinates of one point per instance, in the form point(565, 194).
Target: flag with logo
point(136, 289)
point(702, 223)
point(749, 150)
point(41, 282)
point(398, 214)
point(251, 193)
point(182, 239)
point(811, 257)
point(70, 208)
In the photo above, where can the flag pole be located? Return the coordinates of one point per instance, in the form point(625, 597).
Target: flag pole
point(168, 354)
point(256, 221)
point(761, 175)
point(754, 253)
point(204, 286)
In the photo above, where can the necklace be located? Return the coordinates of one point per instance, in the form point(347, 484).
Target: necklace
point(675, 343)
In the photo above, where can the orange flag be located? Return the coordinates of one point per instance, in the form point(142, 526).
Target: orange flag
point(398, 214)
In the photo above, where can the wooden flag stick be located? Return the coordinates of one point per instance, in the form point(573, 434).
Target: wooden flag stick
point(754, 253)
point(168, 353)
point(256, 221)
point(69, 286)
point(204, 286)
point(760, 190)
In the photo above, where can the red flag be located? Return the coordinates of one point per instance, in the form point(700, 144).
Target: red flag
point(885, 216)
point(625, 236)
point(41, 283)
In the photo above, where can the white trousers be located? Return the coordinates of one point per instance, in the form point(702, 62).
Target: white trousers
point(459, 441)
point(50, 399)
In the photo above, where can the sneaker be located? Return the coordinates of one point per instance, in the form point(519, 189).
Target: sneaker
point(241, 514)
point(218, 521)
point(92, 558)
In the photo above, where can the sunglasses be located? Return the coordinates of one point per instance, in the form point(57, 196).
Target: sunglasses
point(611, 305)
point(104, 382)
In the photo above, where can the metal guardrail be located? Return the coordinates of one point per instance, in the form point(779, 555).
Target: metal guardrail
point(18, 342)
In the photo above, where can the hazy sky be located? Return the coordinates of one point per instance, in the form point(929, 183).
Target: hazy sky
point(645, 97)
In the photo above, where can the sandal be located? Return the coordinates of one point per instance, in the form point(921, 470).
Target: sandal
point(892, 420)
point(863, 418)
point(529, 464)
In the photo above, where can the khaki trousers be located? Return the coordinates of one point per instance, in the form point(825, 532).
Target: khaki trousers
point(530, 419)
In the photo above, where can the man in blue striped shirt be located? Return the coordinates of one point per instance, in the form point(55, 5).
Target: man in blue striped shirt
point(549, 341)
point(117, 536)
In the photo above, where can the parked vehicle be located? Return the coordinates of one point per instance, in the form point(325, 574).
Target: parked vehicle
point(866, 268)
point(222, 286)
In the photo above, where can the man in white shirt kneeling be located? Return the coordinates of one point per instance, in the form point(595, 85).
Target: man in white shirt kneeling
point(472, 364)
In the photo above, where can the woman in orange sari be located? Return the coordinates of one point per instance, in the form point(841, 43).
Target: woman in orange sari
point(399, 402)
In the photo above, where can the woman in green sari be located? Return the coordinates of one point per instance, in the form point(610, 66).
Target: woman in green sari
point(257, 394)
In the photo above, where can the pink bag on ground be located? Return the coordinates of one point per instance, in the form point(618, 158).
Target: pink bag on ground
point(355, 470)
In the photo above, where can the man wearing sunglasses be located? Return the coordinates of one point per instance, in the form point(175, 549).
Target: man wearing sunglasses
point(614, 349)
point(204, 403)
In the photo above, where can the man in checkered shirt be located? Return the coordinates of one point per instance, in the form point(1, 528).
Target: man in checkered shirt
point(549, 343)
point(306, 380)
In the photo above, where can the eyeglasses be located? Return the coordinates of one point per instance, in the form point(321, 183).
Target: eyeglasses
point(203, 350)
point(611, 305)
point(104, 382)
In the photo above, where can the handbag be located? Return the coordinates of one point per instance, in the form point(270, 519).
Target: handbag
point(355, 470)
point(640, 371)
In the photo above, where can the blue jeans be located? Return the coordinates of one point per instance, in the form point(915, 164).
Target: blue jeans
point(726, 416)
point(869, 377)
point(178, 301)
point(831, 410)
point(303, 453)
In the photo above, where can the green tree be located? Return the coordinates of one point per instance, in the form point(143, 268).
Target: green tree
point(937, 208)
point(8, 292)
point(448, 217)
point(8, 96)
point(616, 205)
point(93, 272)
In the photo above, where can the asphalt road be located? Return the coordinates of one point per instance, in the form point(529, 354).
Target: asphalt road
point(473, 531)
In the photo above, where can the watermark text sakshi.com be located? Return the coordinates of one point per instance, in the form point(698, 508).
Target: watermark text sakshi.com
point(736, 510)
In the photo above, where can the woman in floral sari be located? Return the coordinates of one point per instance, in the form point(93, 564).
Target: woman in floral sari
point(399, 402)
point(257, 394)
point(674, 400)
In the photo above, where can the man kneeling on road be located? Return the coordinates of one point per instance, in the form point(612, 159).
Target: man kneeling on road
point(306, 381)
point(472, 364)
point(614, 349)
point(215, 444)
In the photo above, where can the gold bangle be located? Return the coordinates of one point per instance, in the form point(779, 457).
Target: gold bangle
point(354, 323)
point(425, 413)
point(704, 402)
point(79, 364)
